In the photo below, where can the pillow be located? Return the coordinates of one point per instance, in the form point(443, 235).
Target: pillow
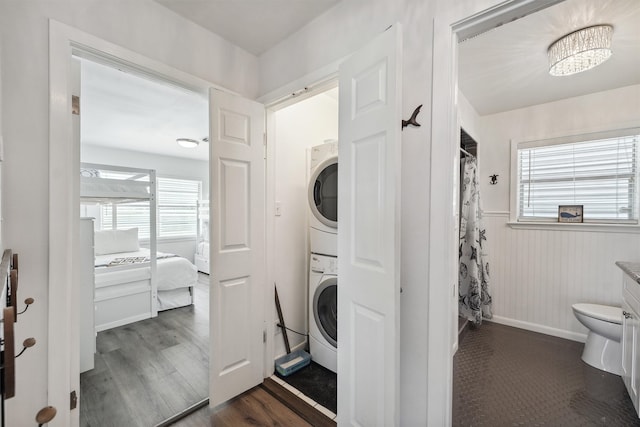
point(116, 241)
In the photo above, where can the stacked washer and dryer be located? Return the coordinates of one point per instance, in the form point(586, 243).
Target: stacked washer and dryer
point(323, 260)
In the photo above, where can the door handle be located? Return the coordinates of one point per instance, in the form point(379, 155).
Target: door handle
point(626, 314)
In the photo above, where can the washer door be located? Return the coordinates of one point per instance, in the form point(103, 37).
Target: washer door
point(325, 309)
point(323, 192)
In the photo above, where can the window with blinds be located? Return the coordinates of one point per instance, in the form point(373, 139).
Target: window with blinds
point(600, 174)
point(177, 210)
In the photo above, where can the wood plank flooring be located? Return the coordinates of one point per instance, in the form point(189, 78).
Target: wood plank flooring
point(148, 371)
point(268, 404)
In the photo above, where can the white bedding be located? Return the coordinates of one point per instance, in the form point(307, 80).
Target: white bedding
point(173, 272)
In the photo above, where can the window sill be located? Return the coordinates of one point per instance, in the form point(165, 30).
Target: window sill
point(585, 227)
point(169, 240)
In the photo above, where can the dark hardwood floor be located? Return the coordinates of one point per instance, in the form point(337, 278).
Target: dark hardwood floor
point(268, 404)
point(148, 371)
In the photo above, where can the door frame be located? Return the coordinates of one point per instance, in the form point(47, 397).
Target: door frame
point(273, 103)
point(452, 24)
point(64, 195)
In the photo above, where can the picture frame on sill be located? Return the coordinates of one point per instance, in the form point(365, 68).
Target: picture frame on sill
point(570, 213)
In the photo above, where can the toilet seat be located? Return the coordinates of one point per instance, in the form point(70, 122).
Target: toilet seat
point(605, 313)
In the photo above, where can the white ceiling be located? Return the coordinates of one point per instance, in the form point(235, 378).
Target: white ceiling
point(500, 70)
point(507, 68)
point(121, 110)
point(254, 25)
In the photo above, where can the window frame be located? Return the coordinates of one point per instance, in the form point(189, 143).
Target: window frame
point(552, 224)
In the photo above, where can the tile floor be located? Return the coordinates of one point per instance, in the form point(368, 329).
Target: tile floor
point(505, 376)
point(302, 396)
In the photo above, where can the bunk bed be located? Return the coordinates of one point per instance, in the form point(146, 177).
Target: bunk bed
point(201, 257)
point(131, 283)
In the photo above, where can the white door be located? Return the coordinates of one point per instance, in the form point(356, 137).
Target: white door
point(237, 212)
point(369, 234)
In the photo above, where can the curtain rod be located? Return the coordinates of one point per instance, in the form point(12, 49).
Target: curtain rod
point(466, 152)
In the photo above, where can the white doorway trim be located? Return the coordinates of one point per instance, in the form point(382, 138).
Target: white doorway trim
point(450, 25)
point(315, 85)
point(64, 198)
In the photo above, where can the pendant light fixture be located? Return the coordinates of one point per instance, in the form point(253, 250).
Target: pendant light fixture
point(580, 50)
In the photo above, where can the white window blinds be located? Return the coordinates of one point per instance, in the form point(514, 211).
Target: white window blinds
point(599, 174)
point(177, 201)
point(177, 207)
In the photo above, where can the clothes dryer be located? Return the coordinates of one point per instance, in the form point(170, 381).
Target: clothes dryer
point(323, 199)
point(323, 310)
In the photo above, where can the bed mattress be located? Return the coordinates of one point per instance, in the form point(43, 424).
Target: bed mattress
point(173, 272)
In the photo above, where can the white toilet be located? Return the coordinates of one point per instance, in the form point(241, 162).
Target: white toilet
point(602, 349)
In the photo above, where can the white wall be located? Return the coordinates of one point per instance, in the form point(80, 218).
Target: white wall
point(468, 116)
point(328, 38)
point(139, 25)
point(165, 166)
point(537, 274)
point(297, 128)
point(599, 111)
point(1, 156)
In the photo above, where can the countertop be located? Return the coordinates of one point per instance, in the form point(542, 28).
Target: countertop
point(631, 268)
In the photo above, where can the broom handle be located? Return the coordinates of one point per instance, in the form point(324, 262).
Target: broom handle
point(281, 320)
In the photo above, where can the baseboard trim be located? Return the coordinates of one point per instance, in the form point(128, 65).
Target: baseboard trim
point(534, 327)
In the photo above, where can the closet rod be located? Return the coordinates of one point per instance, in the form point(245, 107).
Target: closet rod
point(466, 152)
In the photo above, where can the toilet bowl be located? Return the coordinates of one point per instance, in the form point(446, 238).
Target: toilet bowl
point(602, 349)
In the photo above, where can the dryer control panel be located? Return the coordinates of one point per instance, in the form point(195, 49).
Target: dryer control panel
point(322, 152)
point(323, 264)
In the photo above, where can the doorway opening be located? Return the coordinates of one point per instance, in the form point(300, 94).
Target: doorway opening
point(305, 134)
point(144, 309)
point(517, 111)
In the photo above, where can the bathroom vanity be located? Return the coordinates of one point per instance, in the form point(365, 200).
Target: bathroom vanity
point(631, 329)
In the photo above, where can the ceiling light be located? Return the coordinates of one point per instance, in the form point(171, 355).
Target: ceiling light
point(187, 142)
point(580, 51)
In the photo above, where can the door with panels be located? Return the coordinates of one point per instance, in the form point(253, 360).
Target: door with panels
point(368, 245)
point(237, 224)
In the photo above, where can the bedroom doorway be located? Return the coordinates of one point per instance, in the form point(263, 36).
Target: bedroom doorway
point(146, 341)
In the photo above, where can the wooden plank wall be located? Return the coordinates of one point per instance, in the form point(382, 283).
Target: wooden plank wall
point(536, 275)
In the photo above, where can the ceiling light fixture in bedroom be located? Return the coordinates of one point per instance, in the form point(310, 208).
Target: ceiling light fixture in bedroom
point(580, 50)
point(187, 142)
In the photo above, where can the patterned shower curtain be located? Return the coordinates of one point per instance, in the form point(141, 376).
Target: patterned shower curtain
point(474, 299)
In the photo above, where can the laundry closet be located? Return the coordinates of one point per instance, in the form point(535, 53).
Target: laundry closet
point(295, 130)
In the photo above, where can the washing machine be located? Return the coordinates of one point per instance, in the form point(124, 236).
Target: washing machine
point(323, 199)
point(323, 310)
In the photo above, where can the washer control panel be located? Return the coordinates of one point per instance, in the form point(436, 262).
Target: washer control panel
point(323, 264)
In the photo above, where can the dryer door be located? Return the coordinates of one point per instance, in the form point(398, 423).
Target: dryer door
point(323, 192)
point(325, 309)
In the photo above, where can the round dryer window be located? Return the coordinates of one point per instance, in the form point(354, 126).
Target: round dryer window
point(325, 309)
point(323, 192)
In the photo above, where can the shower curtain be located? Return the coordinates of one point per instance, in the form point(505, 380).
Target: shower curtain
point(474, 300)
